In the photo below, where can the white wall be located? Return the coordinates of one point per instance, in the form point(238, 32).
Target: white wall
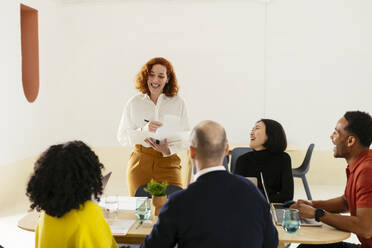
point(319, 65)
point(26, 129)
point(315, 65)
point(216, 50)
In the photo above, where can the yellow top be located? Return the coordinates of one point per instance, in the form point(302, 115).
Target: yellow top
point(85, 227)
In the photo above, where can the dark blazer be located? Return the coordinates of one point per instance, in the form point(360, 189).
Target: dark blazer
point(218, 210)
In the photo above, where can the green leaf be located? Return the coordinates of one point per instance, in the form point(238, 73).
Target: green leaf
point(155, 188)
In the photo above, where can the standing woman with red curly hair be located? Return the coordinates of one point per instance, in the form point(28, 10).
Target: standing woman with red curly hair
point(146, 111)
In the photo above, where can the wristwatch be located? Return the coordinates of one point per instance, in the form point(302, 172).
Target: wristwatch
point(319, 213)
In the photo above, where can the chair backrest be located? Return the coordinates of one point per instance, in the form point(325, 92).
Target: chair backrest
point(235, 154)
point(172, 189)
point(140, 192)
point(226, 161)
point(305, 166)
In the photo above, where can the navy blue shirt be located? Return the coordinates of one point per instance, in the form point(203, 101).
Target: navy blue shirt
point(218, 210)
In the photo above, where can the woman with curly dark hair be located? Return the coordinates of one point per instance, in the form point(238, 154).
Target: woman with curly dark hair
point(147, 111)
point(66, 177)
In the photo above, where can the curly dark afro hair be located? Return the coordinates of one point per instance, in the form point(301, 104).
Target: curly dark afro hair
point(65, 176)
point(360, 124)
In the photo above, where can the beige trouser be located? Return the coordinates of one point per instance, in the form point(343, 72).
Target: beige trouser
point(146, 163)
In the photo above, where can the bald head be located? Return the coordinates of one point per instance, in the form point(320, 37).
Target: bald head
point(209, 140)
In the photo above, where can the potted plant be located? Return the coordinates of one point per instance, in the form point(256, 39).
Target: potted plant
point(158, 192)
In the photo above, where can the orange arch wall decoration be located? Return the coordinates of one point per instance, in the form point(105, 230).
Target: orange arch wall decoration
point(30, 52)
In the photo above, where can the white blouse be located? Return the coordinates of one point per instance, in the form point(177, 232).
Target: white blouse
point(140, 109)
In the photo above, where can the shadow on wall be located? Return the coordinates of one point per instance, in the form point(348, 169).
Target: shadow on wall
point(15, 176)
point(324, 170)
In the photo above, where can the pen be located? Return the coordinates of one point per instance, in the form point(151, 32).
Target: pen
point(139, 224)
point(156, 141)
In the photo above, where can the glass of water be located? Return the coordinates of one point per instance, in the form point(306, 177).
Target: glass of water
point(111, 206)
point(291, 220)
point(143, 208)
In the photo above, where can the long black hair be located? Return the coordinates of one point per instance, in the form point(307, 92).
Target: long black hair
point(276, 138)
point(65, 176)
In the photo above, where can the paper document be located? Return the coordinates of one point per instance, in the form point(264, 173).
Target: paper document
point(127, 203)
point(172, 136)
point(124, 203)
point(171, 129)
point(120, 226)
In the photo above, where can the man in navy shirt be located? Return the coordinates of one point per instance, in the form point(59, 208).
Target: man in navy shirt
point(217, 210)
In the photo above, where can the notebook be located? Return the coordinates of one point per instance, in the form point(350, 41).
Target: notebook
point(278, 210)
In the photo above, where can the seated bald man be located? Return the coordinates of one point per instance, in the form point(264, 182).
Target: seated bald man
point(217, 210)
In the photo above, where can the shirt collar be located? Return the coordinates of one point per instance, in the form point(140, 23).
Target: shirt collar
point(210, 169)
point(359, 160)
point(146, 96)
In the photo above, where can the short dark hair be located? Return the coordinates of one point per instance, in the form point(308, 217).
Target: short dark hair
point(360, 125)
point(65, 176)
point(276, 138)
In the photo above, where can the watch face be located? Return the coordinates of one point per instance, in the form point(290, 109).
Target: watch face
point(319, 213)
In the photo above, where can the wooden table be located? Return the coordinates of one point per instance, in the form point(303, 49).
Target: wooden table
point(137, 233)
point(312, 235)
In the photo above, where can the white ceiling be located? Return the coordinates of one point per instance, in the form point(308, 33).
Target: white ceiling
point(152, 1)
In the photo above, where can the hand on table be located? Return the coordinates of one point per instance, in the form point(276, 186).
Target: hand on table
point(298, 202)
point(161, 147)
point(305, 208)
point(152, 126)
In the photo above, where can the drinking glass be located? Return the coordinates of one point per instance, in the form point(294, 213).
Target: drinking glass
point(111, 206)
point(143, 208)
point(291, 220)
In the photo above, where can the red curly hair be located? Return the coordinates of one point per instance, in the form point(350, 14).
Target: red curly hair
point(170, 89)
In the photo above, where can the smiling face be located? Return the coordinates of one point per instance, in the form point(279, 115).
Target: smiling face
point(258, 136)
point(157, 79)
point(339, 138)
